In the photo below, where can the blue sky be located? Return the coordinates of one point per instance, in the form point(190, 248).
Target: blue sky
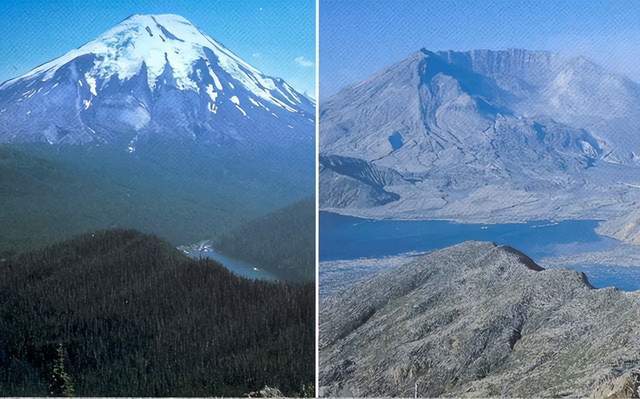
point(277, 37)
point(358, 38)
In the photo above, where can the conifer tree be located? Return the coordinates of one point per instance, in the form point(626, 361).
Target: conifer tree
point(61, 383)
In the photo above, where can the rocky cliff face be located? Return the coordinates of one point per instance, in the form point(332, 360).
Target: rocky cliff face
point(479, 320)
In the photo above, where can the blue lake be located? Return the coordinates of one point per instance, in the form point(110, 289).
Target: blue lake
point(236, 266)
point(347, 237)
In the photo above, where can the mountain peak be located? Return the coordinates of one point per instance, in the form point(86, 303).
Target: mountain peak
point(166, 17)
point(156, 40)
point(144, 64)
point(507, 115)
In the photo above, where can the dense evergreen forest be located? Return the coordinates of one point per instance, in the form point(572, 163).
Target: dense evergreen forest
point(120, 313)
point(282, 242)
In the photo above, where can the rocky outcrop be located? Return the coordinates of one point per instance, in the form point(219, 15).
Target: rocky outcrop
point(479, 320)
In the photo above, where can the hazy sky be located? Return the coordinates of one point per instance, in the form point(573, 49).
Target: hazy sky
point(358, 38)
point(277, 37)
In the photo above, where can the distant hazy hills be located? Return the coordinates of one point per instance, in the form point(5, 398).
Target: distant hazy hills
point(127, 314)
point(182, 193)
point(483, 135)
point(479, 320)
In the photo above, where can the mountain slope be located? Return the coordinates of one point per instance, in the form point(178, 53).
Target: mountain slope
point(133, 316)
point(478, 320)
point(282, 242)
point(485, 135)
point(152, 77)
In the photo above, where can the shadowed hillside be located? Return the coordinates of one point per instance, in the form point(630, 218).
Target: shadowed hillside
point(49, 194)
point(282, 242)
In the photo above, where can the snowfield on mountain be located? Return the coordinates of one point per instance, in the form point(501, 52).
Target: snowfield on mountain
point(152, 77)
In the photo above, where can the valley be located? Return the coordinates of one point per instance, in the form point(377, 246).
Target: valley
point(355, 249)
point(204, 250)
point(279, 245)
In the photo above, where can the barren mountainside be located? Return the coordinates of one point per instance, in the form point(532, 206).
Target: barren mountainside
point(479, 320)
point(483, 135)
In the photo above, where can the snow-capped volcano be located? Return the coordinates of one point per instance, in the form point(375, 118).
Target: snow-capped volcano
point(151, 76)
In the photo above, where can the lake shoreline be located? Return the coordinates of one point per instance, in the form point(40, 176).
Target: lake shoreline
point(350, 243)
point(205, 250)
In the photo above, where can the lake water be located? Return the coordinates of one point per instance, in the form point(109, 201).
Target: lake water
point(624, 278)
point(347, 237)
point(236, 266)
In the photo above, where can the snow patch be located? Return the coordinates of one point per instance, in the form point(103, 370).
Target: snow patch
point(216, 81)
point(236, 101)
point(91, 81)
point(213, 95)
point(254, 102)
point(131, 148)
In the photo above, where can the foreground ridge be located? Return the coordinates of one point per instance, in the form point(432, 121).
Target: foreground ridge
point(478, 319)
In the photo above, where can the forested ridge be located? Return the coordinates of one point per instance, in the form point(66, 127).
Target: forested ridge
point(120, 313)
point(49, 194)
point(282, 242)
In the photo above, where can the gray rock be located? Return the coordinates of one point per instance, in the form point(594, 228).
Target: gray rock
point(478, 320)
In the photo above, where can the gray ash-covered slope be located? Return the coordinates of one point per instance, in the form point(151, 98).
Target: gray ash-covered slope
point(483, 135)
point(153, 77)
point(479, 320)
